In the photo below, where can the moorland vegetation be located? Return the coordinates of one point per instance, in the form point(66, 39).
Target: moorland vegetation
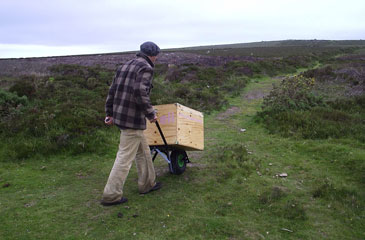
point(64, 110)
point(284, 155)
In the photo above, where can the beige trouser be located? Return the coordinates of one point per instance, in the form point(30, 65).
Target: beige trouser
point(133, 146)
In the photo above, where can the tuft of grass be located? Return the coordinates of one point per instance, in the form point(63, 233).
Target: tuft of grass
point(272, 195)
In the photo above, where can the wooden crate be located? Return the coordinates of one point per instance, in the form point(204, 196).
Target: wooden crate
point(182, 127)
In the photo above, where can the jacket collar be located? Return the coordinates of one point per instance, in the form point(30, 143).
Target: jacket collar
point(146, 58)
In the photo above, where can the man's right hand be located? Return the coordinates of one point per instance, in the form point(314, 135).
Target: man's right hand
point(154, 119)
point(108, 120)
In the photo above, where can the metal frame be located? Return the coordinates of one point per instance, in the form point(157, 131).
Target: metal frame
point(164, 150)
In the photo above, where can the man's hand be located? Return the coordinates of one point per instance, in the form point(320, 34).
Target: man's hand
point(108, 120)
point(154, 119)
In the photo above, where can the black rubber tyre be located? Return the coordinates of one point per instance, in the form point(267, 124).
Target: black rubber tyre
point(178, 161)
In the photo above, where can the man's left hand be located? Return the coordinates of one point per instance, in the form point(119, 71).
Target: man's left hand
point(108, 120)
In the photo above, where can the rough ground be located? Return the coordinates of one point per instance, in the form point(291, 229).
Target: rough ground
point(229, 112)
point(211, 200)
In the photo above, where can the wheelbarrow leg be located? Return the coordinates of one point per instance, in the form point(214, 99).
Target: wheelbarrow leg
point(177, 159)
point(154, 156)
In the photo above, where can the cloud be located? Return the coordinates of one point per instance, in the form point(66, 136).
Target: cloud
point(123, 25)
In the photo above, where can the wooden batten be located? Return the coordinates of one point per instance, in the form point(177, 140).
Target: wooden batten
point(182, 127)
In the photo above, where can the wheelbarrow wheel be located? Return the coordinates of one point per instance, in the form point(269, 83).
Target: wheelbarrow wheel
point(178, 161)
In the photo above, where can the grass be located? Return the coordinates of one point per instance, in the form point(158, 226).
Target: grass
point(218, 197)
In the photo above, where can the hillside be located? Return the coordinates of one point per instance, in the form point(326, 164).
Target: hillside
point(204, 55)
point(284, 43)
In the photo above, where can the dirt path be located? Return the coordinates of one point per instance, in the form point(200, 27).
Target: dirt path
point(255, 91)
point(229, 112)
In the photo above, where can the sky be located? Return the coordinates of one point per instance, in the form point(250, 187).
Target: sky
point(34, 28)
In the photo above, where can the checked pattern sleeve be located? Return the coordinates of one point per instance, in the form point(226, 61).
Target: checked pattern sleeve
point(142, 87)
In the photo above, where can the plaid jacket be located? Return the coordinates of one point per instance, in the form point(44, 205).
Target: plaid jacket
point(128, 100)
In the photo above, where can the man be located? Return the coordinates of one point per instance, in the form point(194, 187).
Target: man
point(127, 106)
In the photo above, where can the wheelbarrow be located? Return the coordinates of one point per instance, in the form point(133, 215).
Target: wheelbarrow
point(176, 158)
point(177, 130)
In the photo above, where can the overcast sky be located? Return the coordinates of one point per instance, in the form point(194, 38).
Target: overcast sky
point(30, 28)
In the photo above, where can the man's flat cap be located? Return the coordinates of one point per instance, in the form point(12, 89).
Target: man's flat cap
point(150, 49)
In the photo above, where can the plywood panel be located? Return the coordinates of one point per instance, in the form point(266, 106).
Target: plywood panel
point(190, 127)
point(167, 119)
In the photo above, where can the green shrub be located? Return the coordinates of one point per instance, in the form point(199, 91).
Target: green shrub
point(23, 88)
point(320, 74)
point(293, 93)
point(354, 105)
point(9, 100)
point(291, 109)
point(12, 107)
point(64, 113)
point(235, 84)
point(69, 70)
point(243, 67)
point(269, 66)
point(317, 123)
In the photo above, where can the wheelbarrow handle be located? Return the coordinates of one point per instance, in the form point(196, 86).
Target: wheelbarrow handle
point(161, 133)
